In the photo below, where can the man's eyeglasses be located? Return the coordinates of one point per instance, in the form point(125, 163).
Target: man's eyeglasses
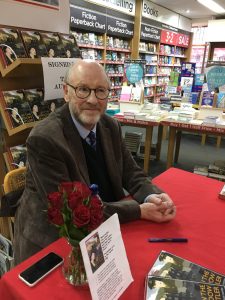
point(83, 92)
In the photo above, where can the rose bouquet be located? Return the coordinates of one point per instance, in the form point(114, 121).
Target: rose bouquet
point(76, 210)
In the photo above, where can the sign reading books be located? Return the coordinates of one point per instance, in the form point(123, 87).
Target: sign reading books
point(54, 70)
point(105, 261)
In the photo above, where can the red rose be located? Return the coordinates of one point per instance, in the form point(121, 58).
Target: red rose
point(55, 216)
point(55, 199)
point(75, 199)
point(81, 215)
point(83, 189)
point(96, 218)
point(95, 202)
point(66, 187)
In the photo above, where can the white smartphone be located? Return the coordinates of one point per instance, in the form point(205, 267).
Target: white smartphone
point(41, 268)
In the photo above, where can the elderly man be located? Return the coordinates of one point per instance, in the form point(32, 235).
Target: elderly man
point(79, 142)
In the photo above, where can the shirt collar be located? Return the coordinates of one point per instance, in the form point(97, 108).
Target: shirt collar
point(81, 129)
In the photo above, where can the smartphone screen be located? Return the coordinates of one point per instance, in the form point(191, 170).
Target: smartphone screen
point(41, 268)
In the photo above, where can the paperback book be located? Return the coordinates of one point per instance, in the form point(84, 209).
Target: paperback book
point(162, 288)
point(70, 45)
point(174, 277)
point(39, 107)
point(33, 44)
point(16, 109)
point(11, 46)
point(15, 157)
point(53, 44)
point(175, 267)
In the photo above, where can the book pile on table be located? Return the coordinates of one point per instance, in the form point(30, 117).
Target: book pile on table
point(173, 277)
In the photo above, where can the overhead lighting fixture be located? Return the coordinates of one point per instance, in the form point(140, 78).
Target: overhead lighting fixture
point(187, 11)
point(212, 5)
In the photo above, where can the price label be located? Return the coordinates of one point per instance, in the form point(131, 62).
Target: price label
point(183, 40)
point(168, 37)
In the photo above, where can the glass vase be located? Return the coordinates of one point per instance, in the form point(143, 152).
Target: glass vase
point(73, 268)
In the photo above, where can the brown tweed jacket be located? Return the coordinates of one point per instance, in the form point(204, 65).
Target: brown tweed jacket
point(55, 154)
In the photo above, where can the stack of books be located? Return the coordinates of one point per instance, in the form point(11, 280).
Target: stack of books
point(173, 277)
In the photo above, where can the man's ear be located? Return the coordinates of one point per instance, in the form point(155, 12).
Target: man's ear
point(65, 89)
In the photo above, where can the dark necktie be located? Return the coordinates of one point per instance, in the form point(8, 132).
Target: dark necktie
point(92, 139)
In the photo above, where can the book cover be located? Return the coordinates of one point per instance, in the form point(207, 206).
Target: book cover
point(70, 45)
point(53, 44)
point(172, 266)
point(17, 109)
point(207, 99)
point(39, 108)
point(220, 101)
point(161, 288)
point(11, 46)
point(33, 44)
point(15, 157)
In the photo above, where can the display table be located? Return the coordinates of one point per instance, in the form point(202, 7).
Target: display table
point(149, 126)
point(200, 218)
point(175, 131)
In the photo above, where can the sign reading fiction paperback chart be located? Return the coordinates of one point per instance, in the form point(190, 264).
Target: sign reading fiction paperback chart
point(54, 70)
point(105, 261)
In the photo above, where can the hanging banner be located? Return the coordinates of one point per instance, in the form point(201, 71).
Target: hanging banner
point(119, 27)
point(54, 70)
point(87, 20)
point(150, 33)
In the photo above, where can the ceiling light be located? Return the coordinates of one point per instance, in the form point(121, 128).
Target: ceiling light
point(212, 5)
point(188, 11)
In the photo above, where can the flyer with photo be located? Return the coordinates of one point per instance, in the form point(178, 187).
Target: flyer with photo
point(105, 261)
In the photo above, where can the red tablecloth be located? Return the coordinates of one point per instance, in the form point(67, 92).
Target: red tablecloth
point(200, 218)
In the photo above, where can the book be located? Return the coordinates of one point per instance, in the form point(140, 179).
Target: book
point(53, 44)
point(11, 46)
point(175, 267)
point(207, 99)
point(33, 44)
point(15, 157)
point(201, 170)
point(161, 288)
point(70, 45)
point(220, 101)
point(39, 107)
point(16, 108)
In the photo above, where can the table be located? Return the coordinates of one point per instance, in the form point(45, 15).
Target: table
point(175, 131)
point(200, 218)
point(149, 126)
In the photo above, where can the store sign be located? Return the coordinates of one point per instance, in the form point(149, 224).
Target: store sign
point(127, 7)
point(54, 70)
point(168, 37)
point(119, 27)
point(183, 40)
point(87, 20)
point(150, 33)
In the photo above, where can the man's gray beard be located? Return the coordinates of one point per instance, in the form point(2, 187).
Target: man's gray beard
point(83, 119)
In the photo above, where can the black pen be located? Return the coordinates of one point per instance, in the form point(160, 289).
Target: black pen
point(173, 240)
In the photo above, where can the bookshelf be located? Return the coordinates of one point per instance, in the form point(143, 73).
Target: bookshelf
point(161, 59)
point(108, 50)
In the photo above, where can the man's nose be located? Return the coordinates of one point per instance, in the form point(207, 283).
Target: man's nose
point(92, 97)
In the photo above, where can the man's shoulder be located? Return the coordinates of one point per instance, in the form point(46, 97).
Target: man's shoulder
point(109, 121)
point(50, 125)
